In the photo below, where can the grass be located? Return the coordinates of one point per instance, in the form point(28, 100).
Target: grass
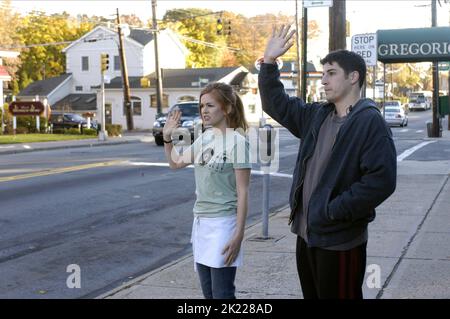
point(33, 138)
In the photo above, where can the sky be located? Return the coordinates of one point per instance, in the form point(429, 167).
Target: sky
point(365, 16)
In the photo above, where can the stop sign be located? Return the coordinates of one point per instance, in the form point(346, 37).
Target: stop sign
point(18, 108)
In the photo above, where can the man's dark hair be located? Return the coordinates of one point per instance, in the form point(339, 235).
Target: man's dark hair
point(349, 61)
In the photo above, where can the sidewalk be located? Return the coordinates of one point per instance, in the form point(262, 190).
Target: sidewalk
point(408, 245)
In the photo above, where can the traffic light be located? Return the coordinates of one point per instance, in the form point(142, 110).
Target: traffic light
point(219, 27)
point(104, 62)
point(228, 28)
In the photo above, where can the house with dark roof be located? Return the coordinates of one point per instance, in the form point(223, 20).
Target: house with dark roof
point(178, 85)
point(75, 91)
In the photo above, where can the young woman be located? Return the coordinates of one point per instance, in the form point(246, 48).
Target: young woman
point(222, 173)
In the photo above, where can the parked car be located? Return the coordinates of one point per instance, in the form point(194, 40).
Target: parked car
point(395, 115)
point(70, 120)
point(190, 118)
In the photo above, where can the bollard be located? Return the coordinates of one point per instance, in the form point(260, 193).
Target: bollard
point(266, 155)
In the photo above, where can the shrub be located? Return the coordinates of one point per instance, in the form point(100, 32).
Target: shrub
point(89, 131)
point(59, 131)
point(21, 130)
point(114, 129)
point(72, 131)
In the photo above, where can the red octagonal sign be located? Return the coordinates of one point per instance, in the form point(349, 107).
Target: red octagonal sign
point(18, 108)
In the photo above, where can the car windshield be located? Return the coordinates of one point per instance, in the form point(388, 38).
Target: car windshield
point(74, 117)
point(417, 99)
point(190, 109)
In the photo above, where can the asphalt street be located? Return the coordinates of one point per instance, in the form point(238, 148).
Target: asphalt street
point(118, 212)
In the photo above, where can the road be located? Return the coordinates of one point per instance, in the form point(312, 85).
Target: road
point(117, 212)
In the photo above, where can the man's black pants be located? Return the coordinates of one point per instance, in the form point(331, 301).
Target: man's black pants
point(329, 274)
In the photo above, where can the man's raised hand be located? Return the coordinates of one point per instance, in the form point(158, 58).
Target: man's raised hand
point(278, 44)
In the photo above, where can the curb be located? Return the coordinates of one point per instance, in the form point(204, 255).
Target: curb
point(17, 151)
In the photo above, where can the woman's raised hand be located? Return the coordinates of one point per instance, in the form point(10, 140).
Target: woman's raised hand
point(172, 123)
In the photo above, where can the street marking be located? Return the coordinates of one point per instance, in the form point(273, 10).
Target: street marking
point(404, 130)
point(272, 174)
point(420, 131)
point(59, 171)
point(153, 164)
point(192, 166)
point(408, 152)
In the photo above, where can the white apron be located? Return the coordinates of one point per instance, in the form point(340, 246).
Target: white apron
point(209, 237)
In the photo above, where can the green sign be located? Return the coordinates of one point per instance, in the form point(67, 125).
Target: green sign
point(443, 105)
point(444, 66)
point(414, 45)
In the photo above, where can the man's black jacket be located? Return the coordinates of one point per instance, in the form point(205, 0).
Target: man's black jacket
point(361, 172)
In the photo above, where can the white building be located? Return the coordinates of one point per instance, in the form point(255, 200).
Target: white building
point(75, 90)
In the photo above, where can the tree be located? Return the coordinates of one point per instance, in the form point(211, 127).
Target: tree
point(198, 24)
point(132, 20)
point(248, 35)
point(9, 39)
point(45, 59)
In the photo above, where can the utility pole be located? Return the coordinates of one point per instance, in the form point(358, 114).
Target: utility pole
point(337, 26)
point(436, 125)
point(159, 89)
point(297, 40)
point(126, 84)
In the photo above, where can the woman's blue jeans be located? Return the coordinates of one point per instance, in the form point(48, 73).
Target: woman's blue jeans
point(217, 283)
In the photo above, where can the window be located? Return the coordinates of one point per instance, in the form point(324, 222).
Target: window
point(186, 98)
point(165, 101)
point(136, 107)
point(79, 88)
point(116, 63)
point(84, 63)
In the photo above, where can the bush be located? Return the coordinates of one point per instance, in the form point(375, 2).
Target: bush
point(59, 131)
point(89, 131)
point(114, 129)
point(21, 130)
point(72, 131)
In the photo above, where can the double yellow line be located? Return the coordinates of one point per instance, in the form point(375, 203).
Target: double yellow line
point(59, 171)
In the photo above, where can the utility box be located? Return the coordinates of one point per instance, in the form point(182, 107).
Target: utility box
point(443, 105)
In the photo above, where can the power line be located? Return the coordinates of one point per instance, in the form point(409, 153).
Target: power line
point(207, 44)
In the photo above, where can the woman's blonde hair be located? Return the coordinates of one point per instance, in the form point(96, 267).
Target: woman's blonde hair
point(225, 95)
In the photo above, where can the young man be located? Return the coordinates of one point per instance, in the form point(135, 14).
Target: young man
point(346, 166)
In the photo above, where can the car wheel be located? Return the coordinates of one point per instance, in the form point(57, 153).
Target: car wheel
point(159, 140)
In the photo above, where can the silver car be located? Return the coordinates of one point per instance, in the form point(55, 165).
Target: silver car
point(395, 115)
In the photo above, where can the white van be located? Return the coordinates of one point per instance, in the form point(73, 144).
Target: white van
point(421, 100)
